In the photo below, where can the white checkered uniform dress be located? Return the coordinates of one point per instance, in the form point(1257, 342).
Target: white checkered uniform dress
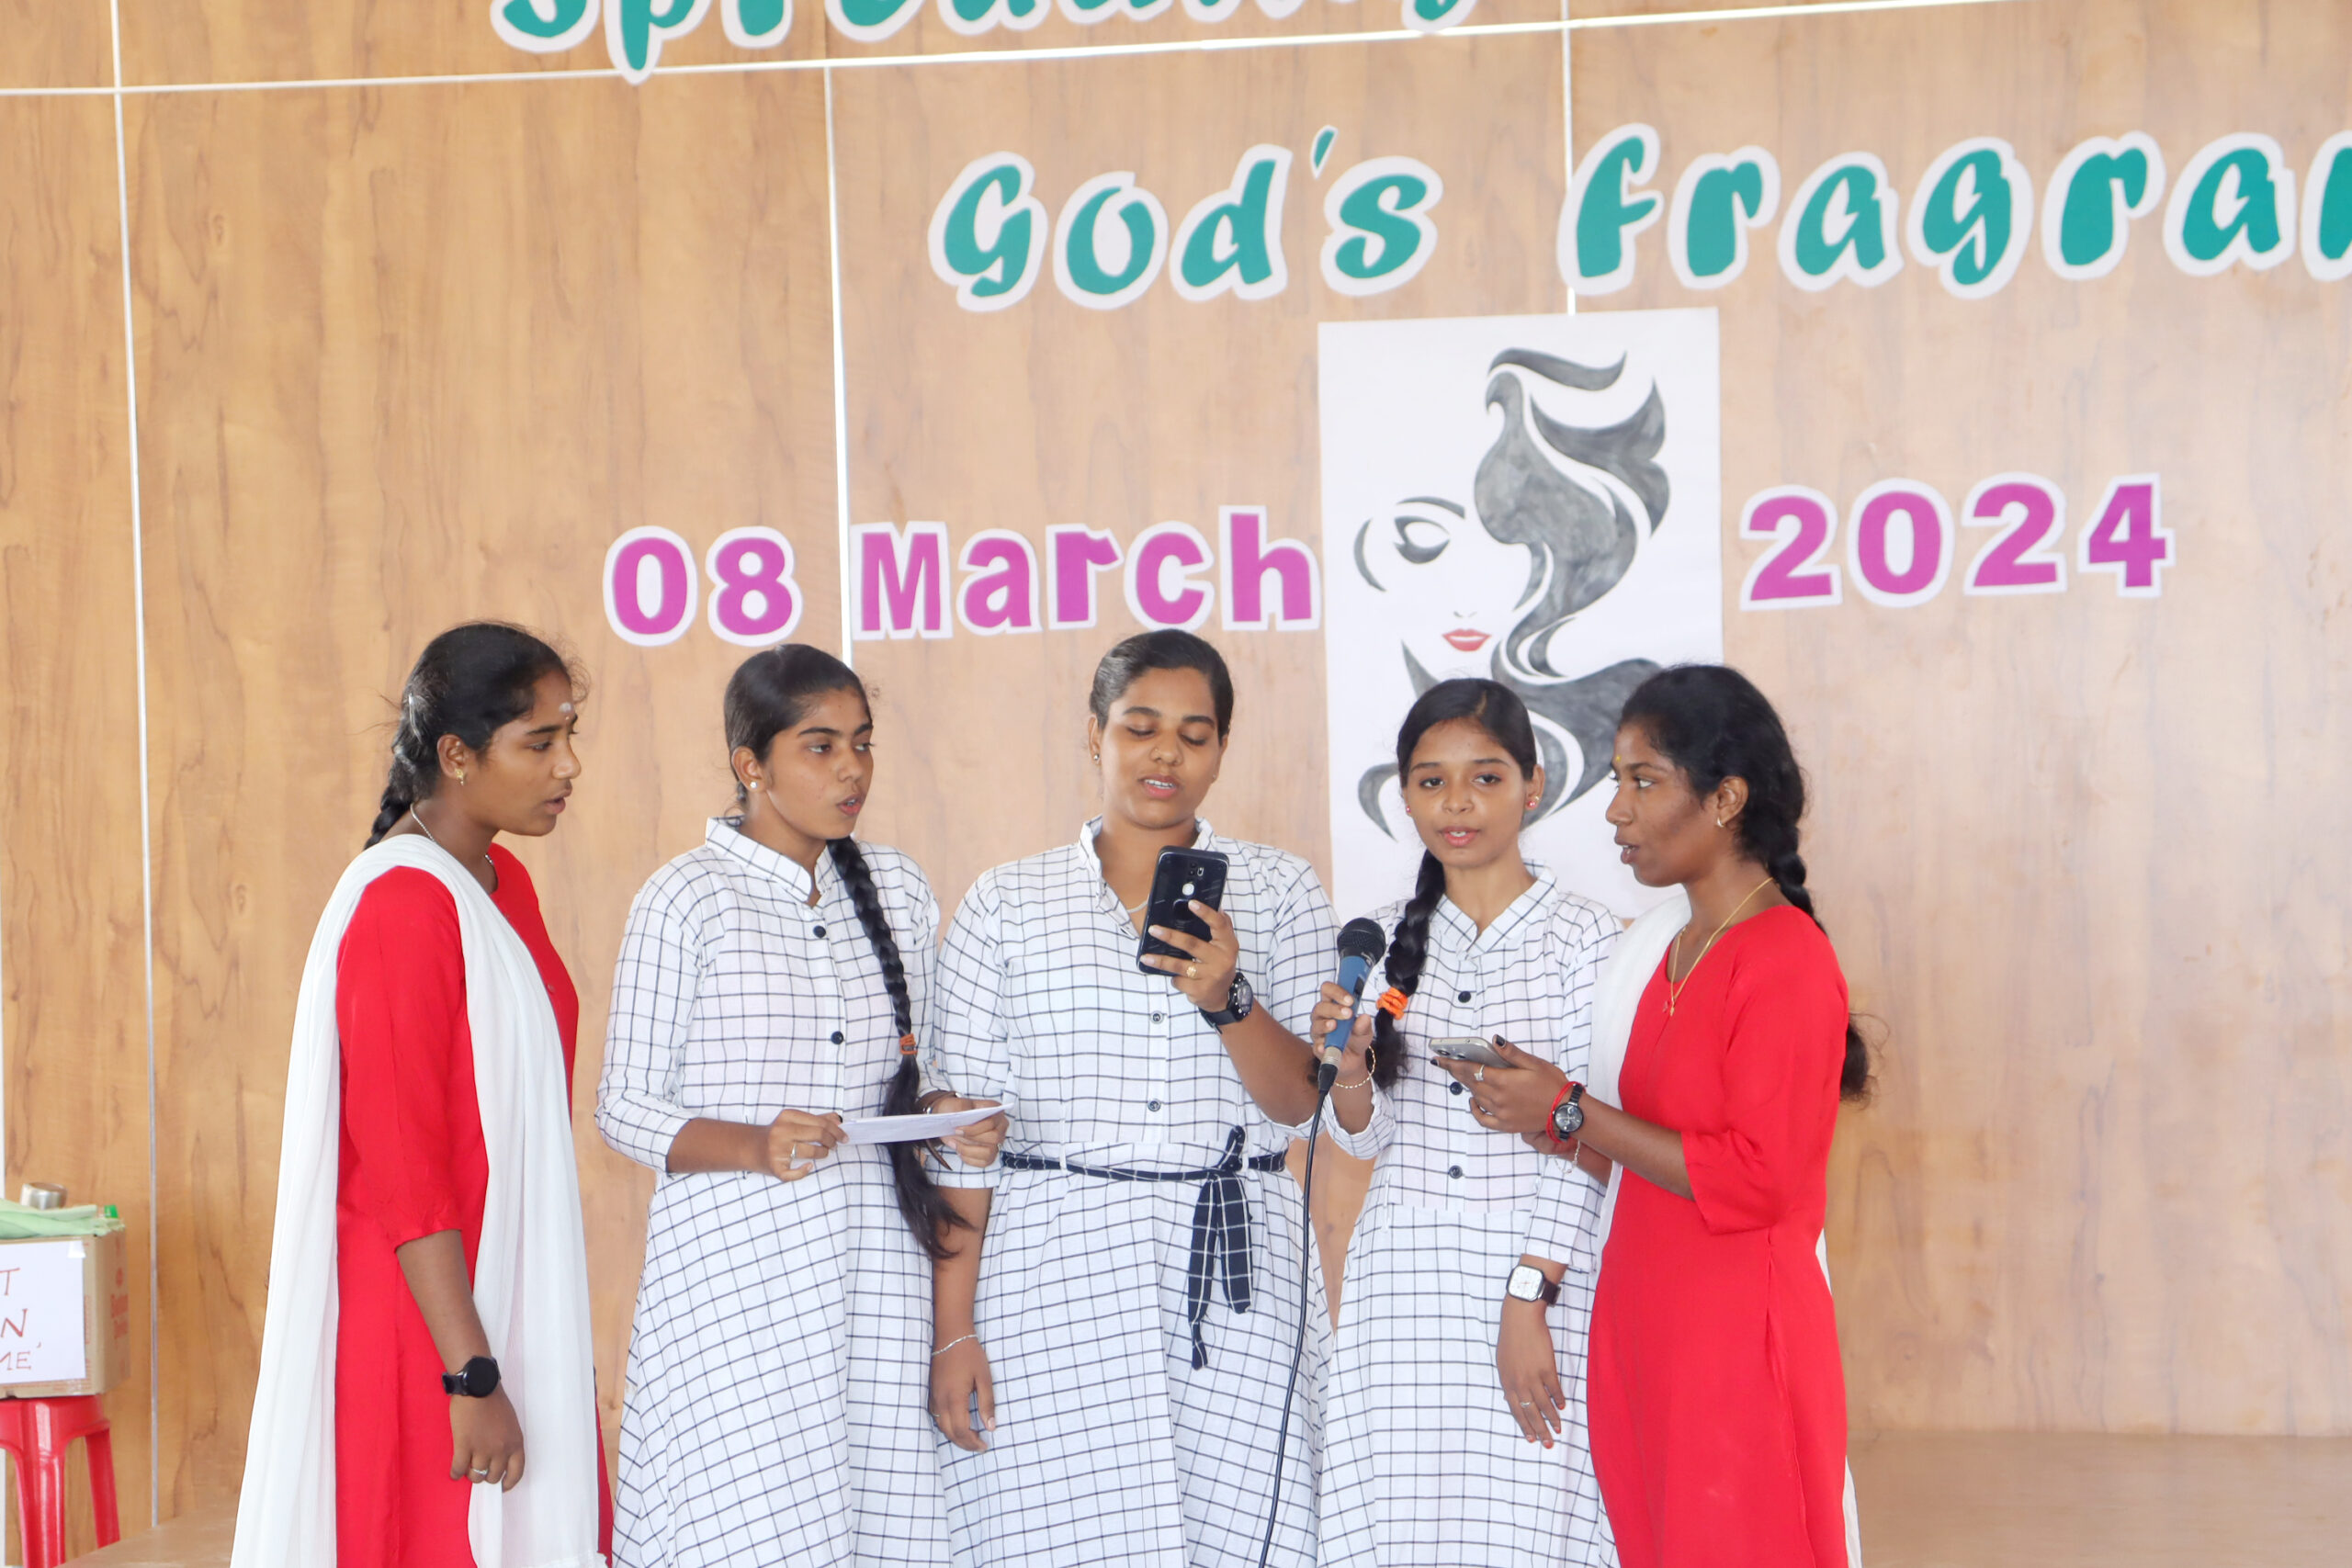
point(1110, 1446)
point(778, 1371)
point(1423, 1461)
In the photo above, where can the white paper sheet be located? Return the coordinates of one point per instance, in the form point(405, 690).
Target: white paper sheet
point(910, 1129)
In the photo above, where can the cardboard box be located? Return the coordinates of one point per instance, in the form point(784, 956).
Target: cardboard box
point(64, 1315)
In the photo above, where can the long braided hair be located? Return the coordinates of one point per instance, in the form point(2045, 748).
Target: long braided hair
point(470, 681)
point(1709, 721)
point(1496, 709)
point(768, 693)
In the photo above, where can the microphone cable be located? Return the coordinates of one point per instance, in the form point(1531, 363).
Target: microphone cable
point(1305, 1280)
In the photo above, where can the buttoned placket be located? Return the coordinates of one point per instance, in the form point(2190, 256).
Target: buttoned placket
point(1162, 1005)
point(1475, 961)
point(819, 932)
point(808, 928)
point(1447, 926)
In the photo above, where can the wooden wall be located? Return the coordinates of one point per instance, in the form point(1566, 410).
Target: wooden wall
point(2078, 850)
point(410, 352)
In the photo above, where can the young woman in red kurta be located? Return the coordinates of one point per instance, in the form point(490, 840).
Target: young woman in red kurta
point(413, 1166)
point(414, 1170)
point(1717, 1402)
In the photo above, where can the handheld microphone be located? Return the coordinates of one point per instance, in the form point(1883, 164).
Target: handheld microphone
point(1361, 944)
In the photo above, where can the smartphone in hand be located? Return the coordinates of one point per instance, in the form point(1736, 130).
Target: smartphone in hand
point(1179, 877)
point(1467, 1048)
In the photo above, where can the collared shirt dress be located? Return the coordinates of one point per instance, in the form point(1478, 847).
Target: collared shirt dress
point(778, 1370)
point(1423, 1461)
point(1139, 1337)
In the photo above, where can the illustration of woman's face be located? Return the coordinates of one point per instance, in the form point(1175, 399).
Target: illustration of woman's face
point(1454, 589)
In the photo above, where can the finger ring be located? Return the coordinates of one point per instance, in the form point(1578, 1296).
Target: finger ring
point(1527, 1404)
point(1481, 1074)
point(1192, 970)
point(482, 1475)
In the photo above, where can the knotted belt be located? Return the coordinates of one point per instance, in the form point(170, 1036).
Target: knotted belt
point(1220, 1224)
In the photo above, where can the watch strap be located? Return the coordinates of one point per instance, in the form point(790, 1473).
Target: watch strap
point(1230, 1014)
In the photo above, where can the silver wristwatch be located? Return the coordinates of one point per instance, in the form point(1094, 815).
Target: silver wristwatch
point(1528, 1283)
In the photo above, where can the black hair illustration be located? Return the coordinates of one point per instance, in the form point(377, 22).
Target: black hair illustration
point(1536, 486)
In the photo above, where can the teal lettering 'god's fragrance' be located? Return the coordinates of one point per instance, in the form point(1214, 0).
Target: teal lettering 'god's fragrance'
point(990, 235)
point(1968, 219)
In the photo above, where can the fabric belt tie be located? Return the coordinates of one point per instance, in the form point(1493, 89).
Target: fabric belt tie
point(1220, 1224)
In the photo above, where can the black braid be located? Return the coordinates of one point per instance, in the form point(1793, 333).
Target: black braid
point(1854, 1075)
point(404, 782)
point(1407, 951)
point(920, 1203)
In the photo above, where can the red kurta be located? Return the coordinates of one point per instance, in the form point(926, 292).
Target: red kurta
point(413, 1163)
point(1717, 1402)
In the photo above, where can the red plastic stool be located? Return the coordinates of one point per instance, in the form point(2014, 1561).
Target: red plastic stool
point(39, 1431)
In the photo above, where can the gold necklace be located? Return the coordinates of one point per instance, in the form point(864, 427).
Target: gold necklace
point(1673, 991)
point(438, 845)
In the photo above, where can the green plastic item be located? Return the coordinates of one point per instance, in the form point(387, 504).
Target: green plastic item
point(17, 1223)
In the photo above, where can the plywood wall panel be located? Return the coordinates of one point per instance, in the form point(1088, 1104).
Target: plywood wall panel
point(55, 43)
point(1162, 410)
point(423, 369)
point(72, 985)
point(2070, 845)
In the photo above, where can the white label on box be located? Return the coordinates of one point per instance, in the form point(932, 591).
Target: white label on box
point(41, 1323)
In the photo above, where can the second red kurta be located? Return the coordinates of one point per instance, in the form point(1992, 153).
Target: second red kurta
point(1718, 1404)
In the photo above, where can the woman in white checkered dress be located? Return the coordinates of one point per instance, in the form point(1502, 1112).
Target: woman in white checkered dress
point(1114, 1354)
point(772, 980)
point(1426, 1459)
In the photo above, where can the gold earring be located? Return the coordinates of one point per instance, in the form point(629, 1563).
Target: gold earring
point(461, 775)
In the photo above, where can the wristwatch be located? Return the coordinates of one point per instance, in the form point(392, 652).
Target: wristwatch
point(1527, 1283)
point(1567, 1113)
point(478, 1378)
point(1239, 1002)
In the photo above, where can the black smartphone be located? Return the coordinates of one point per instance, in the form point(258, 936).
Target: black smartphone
point(1182, 876)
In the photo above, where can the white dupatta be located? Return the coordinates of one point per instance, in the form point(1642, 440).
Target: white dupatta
point(530, 1272)
point(1623, 978)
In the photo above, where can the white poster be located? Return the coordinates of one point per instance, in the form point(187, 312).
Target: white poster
point(43, 1329)
point(1533, 499)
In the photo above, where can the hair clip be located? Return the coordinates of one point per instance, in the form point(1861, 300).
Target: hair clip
point(1392, 1002)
